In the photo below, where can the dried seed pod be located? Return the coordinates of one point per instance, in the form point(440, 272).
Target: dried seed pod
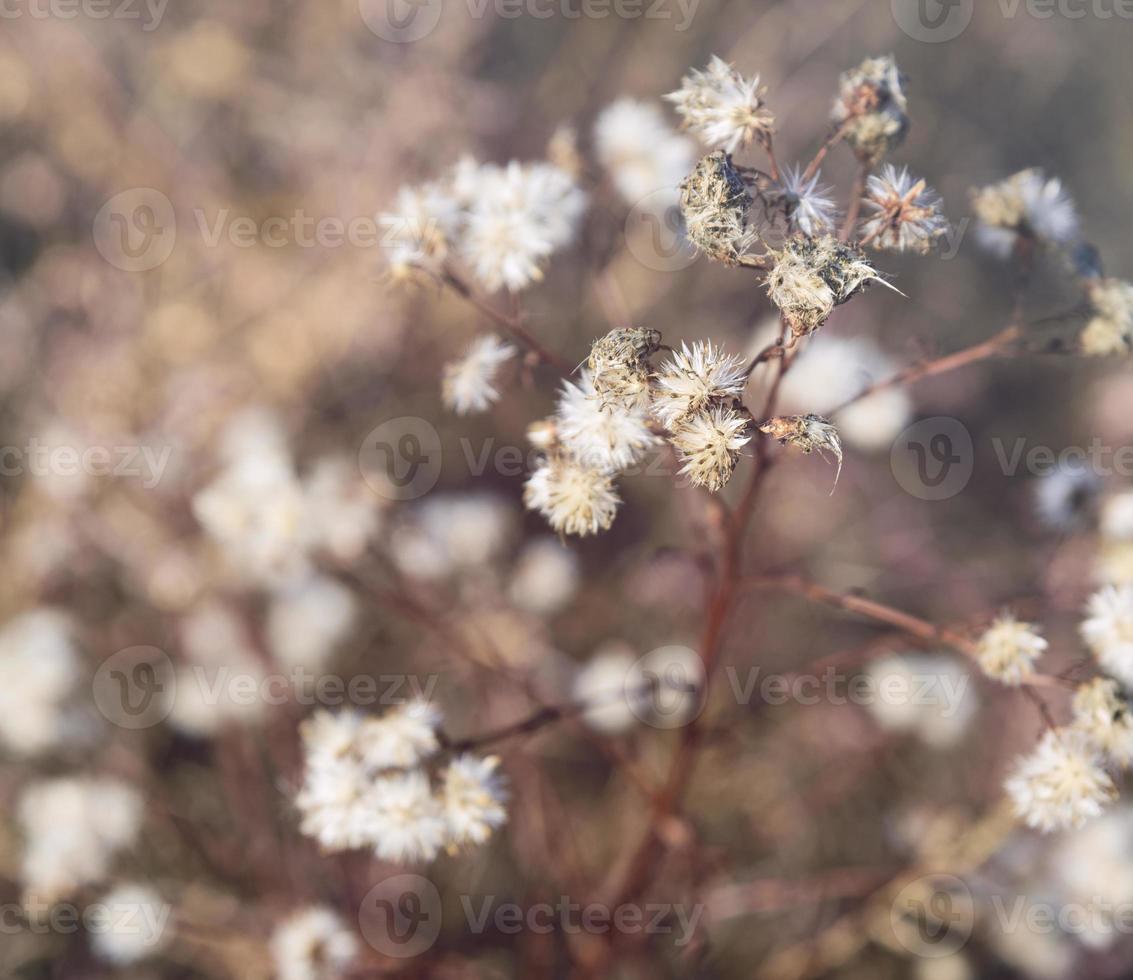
point(714, 203)
point(619, 364)
point(808, 433)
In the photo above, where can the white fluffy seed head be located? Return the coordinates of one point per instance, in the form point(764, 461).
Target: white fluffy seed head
point(1025, 205)
point(1108, 631)
point(1110, 328)
point(313, 944)
point(708, 445)
point(641, 152)
point(871, 107)
point(722, 107)
point(1062, 784)
point(692, 379)
point(469, 383)
point(573, 498)
point(1103, 713)
point(599, 433)
point(474, 795)
point(906, 215)
point(1008, 649)
point(809, 208)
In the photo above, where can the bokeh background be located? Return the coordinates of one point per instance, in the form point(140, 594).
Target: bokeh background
point(797, 814)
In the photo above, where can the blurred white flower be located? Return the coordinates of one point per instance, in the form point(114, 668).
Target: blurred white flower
point(313, 944)
point(1065, 496)
point(469, 384)
point(1027, 204)
point(38, 670)
point(545, 577)
point(1108, 631)
point(1008, 649)
point(1062, 784)
point(641, 152)
point(135, 925)
point(601, 684)
point(341, 514)
point(407, 823)
point(926, 696)
point(1103, 714)
point(308, 619)
point(473, 796)
point(1117, 517)
point(448, 533)
point(73, 827)
point(810, 208)
point(419, 229)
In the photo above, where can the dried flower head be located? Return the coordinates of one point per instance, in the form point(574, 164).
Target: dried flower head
point(543, 434)
point(907, 215)
point(714, 204)
point(1110, 330)
point(573, 498)
point(600, 434)
point(313, 944)
point(807, 433)
point(1062, 784)
point(1108, 630)
point(709, 444)
point(520, 215)
point(1103, 714)
point(420, 229)
point(812, 276)
point(722, 107)
point(1008, 649)
point(693, 379)
point(871, 107)
point(619, 364)
point(473, 795)
point(809, 208)
point(469, 384)
point(1026, 205)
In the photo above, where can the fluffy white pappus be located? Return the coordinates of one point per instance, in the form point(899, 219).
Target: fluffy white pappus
point(1062, 784)
point(1108, 631)
point(38, 670)
point(722, 107)
point(810, 208)
point(521, 214)
point(906, 215)
point(573, 498)
point(1008, 649)
point(401, 737)
point(308, 619)
point(545, 577)
point(469, 383)
point(135, 927)
point(204, 697)
point(1093, 868)
point(313, 944)
point(708, 445)
point(601, 685)
point(1026, 204)
point(1065, 497)
point(830, 371)
point(474, 796)
point(450, 533)
point(341, 513)
point(641, 152)
point(73, 828)
point(407, 822)
point(692, 379)
point(1109, 331)
point(1103, 713)
point(255, 511)
point(930, 697)
point(420, 228)
point(601, 434)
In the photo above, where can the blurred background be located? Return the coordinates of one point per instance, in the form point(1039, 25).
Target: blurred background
point(179, 304)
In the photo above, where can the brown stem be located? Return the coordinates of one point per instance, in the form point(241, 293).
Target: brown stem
point(857, 193)
point(509, 324)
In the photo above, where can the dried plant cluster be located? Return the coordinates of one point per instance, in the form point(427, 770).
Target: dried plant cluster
point(520, 744)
